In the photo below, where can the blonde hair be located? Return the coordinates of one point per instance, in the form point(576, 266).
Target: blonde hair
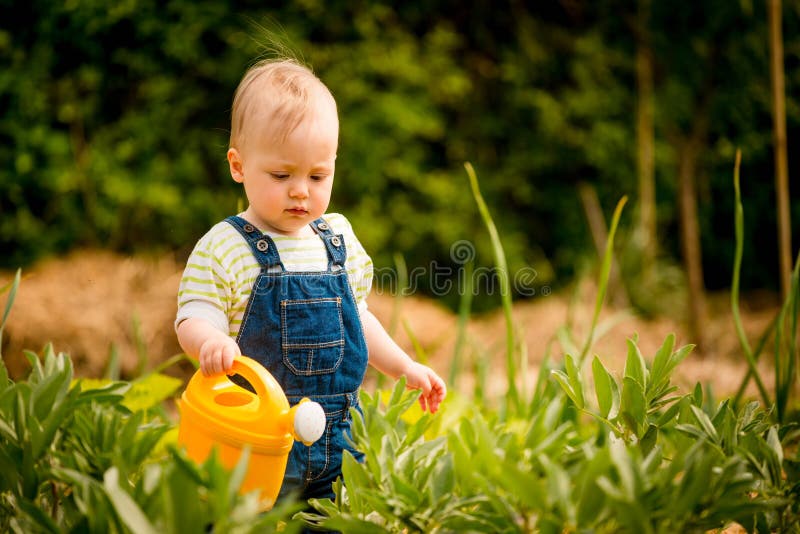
point(277, 93)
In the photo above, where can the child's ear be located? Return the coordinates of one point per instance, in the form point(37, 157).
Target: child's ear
point(235, 164)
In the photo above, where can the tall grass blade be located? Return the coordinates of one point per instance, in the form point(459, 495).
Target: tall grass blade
point(759, 348)
point(480, 369)
point(786, 347)
point(737, 268)
point(505, 285)
point(419, 350)
point(397, 303)
point(464, 308)
point(113, 366)
point(172, 360)
point(605, 270)
point(141, 345)
point(400, 292)
point(12, 293)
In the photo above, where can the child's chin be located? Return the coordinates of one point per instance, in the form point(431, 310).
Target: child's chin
point(297, 228)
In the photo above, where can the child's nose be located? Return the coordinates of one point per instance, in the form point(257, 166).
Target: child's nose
point(299, 189)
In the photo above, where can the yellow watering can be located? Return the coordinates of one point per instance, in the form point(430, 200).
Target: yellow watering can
point(215, 412)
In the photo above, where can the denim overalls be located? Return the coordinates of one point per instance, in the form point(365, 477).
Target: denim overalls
point(304, 327)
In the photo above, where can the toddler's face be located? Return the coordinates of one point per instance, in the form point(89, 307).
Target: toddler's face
point(288, 183)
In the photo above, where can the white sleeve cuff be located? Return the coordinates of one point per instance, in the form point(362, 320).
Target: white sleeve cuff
point(203, 310)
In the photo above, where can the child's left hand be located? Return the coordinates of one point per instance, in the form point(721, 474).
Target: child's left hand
point(419, 376)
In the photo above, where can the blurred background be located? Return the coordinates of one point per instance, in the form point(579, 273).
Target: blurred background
point(114, 122)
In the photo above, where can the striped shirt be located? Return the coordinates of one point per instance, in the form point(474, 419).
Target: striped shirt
point(221, 271)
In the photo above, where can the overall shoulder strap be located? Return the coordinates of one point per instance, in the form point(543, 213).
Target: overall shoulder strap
point(262, 245)
point(334, 243)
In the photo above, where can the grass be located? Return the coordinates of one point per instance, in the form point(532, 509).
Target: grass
point(783, 328)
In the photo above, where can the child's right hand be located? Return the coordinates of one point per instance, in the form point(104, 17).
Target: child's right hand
point(217, 354)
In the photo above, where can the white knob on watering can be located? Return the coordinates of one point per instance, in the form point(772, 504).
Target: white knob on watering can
point(309, 421)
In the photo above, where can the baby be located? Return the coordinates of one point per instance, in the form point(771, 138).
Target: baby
point(284, 282)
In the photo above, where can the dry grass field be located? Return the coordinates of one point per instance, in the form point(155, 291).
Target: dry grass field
point(92, 301)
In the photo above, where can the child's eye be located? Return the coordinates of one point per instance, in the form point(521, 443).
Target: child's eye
point(279, 175)
point(318, 177)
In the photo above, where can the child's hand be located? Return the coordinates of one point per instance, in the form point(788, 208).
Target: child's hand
point(217, 354)
point(422, 377)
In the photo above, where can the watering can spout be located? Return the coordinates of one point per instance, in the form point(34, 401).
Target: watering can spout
point(308, 421)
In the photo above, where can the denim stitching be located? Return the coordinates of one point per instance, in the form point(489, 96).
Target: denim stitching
point(286, 346)
point(328, 432)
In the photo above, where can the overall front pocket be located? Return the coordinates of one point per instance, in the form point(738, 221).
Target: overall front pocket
point(312, 335)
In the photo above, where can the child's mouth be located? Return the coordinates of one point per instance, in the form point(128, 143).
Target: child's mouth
point(297, 211)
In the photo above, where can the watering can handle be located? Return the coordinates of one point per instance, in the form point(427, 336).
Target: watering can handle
point(253, 372)
point(264, 384)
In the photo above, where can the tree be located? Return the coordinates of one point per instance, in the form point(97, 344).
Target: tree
point(779, 135)
point(645, 140)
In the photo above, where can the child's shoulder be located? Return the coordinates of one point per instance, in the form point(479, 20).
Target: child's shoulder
point(338, 222)
point(220, 234)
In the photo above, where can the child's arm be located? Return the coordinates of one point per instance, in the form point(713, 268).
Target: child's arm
point(201, 340)
point(387, 357)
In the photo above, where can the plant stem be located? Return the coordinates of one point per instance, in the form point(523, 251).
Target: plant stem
point(505, 285)
point(737, 267)
point(603, 279)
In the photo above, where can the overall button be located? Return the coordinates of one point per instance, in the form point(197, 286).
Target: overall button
point(336, 241)
point(323, 226)
point(249, 228)
point(262, 245)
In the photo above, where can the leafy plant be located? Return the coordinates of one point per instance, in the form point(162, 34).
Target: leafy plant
point(417, 494)
point(665, 465)
point(76, 458)
point(640, 458)
point(94, 456)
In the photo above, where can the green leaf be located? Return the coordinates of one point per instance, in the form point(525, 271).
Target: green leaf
point(188, 466)
point(129, 512)
point(649, 440)
point(697, 394)
point(7, 431)
point(633, 404)
point(706, 424)
point(407, 491)
point(239, 472)
point(672, 411)
point(559, 488)
point(677, 357)
point(564, 381)
point(20, 414)
point(357, 478)
point(39, 517)
point(575, 381)
point(635, 368)
point(112, 371)
point(692, 430)
point(662, 358)
point(591, 499)
point(150, 391)
point(444, 479)
point(5, 382)
point(48, 392)
point(12, 293)
point(624, 465)
point(606, 389)
point(774, 443)
point(397, 392)
point(351, 525)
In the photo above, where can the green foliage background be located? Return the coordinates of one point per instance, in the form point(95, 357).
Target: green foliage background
point(115, 117)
